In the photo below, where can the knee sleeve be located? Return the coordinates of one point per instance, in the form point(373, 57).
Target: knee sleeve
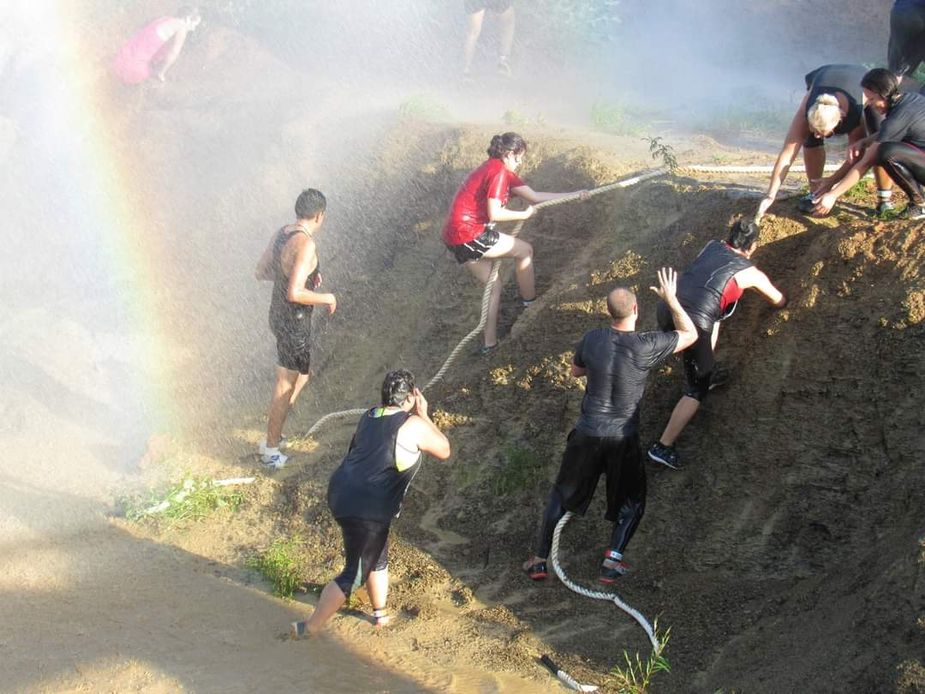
point(699, 387)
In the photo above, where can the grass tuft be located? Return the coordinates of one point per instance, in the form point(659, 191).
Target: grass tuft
point(519, 470)
point(636, 677)
point(280, 565)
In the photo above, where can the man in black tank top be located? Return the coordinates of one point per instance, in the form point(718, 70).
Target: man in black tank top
point(616, 361)
point(709, 291)
point(291, 263)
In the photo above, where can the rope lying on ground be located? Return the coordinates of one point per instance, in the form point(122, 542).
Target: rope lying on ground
point(496, 265)
point(596, 594)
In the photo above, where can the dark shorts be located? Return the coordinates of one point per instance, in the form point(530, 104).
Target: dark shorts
point(292, 350)
point(366, 546)
point(586, 458)
point(498, 6)
point(698, 359)
point(477, 247)
point(907, 39)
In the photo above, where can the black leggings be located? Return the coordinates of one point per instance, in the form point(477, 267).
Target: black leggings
point(907, 39)
point(585, 458)
point(905, 164)
point(366, 544)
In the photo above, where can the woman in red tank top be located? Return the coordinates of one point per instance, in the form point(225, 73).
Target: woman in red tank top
point(470, 233)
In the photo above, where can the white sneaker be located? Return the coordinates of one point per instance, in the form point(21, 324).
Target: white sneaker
point(262, 447)
point(273, 459)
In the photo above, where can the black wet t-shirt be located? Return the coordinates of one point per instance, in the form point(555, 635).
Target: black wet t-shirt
point(905, 122)
point(617, 364)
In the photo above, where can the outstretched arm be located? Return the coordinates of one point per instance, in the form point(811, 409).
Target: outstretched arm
point(753, 278)
point(667, 291)
point(825, 204)
point(534, 197)
point(796, 134)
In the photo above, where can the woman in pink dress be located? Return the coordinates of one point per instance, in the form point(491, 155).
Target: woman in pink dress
point(156, 47)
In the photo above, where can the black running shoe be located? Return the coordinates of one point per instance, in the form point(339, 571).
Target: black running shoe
point(666, 455)
point(537, 571)
point(610, 574)
point(912, 213)
point(806, 205)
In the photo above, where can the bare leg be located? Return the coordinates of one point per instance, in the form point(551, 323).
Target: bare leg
point(377, 585)
point(884, 182)
point(506, 19)
point(331, 600)
point(522, 253)
point(482, 270)
point(814, 158)
point(279, 405)
point(300, 383)
point(473, 29)
point(683, 413)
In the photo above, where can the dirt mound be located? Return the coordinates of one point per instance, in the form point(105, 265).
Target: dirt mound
point(787, 548)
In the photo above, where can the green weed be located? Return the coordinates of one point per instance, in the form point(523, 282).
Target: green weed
point(636, 677)
point(519, 470)
point(190, 499)
point(423, 107)
point(279, 564)
point(660, 150)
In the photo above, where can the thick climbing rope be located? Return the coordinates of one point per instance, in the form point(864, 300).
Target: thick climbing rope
point(595, 594)
point(496, 265)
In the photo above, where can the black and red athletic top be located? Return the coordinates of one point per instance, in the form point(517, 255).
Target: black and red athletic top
point(469, 211)
point(704, 289)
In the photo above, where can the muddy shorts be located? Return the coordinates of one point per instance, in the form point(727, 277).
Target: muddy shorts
point(498, 6)
point(292, 350)
point(366, 546)
point(477, 247)
point(698, 359)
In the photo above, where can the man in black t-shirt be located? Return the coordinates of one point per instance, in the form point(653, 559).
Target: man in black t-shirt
point(616, 361)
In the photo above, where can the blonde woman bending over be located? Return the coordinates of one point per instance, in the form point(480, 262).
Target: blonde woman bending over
point(833, 105)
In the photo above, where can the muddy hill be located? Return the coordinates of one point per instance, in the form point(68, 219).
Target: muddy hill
point(787, 555)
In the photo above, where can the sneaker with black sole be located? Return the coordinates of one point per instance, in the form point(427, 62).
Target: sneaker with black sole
point(537, 571)
point(885, 208)
point(610, 574)
point(912, 212)
point(806, 204)
point(666, 455)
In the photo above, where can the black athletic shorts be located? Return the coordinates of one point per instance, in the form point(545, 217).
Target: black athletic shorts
point(366, 546)
point(498, 6)
point(698, 359)
point(292, 351)
point(477, 247)
point(586, 458)
point(907, 39)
